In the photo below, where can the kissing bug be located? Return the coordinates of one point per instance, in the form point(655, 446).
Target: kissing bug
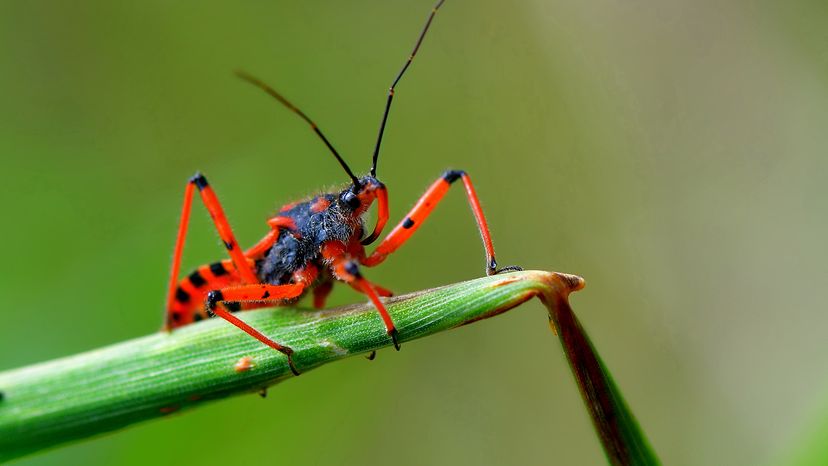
point(310, 243)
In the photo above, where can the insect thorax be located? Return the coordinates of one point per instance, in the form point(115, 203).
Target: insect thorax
point(314, 226)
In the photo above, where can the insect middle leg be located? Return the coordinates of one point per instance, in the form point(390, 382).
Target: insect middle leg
point(425, 205)
point(219, 303)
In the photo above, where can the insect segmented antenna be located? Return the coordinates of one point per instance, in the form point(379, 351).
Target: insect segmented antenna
point(397, 80)
point(272, 92)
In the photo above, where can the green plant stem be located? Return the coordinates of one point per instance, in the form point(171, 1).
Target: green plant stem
point(622, 438)
point(106, 389)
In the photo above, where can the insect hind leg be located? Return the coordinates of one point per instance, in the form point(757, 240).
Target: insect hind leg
point(211, 202)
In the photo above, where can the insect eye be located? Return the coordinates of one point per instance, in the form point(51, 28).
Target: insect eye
point(351, 200)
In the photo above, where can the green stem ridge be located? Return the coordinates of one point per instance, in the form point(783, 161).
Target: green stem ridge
point(80, 396)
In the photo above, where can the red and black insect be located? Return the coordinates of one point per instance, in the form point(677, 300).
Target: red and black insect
point(310, 243)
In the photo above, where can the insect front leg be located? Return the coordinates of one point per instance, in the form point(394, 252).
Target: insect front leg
point(384, 292)
point(425, 205)
point(323, 290)
point(348, 270)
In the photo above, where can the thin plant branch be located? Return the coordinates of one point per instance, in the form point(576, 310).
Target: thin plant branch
point(99, 391)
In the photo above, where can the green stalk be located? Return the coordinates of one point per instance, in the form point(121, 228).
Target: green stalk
point(106, 389)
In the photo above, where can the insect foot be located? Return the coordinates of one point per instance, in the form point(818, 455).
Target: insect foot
point(509, 268)
point(493, 270)
point(289, 353)
point(393, 333)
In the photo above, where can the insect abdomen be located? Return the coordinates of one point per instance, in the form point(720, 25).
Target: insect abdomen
point(188, 305)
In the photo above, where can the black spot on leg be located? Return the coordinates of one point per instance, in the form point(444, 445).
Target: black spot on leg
point(199, 180)
point(229, 245)
point(197, 280)
point(218, 269)
point(176, 317)
point(266, 295)
point(233, 306)
point(181, 296)
point(408, 223)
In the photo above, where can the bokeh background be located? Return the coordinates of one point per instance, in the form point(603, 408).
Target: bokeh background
point(672, 153)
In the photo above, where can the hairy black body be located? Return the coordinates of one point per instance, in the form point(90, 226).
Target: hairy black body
point(295, 249)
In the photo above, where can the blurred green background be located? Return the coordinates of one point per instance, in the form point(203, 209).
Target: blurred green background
point(672, 153)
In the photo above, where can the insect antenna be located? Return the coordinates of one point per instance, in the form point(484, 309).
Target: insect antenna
point(397, 80)
point(272, 92)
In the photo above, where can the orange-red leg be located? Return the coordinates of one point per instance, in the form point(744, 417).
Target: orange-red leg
point(384, 292)
point(425, 205)
point(208, 196)
point(348, 271)
point(322, 290)
point(218, 302)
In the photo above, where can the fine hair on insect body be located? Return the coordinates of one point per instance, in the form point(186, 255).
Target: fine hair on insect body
point(310, 244)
